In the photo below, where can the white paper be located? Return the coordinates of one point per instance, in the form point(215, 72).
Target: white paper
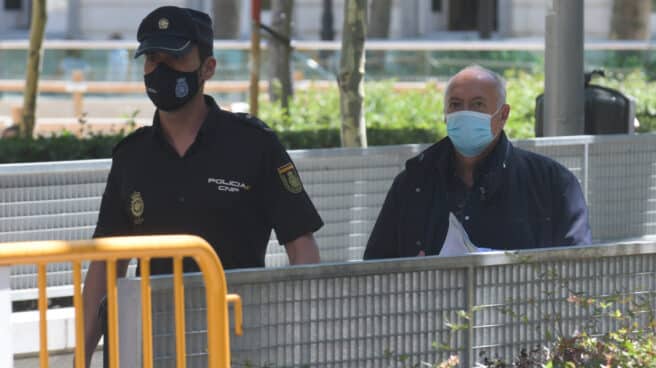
point(457, 241)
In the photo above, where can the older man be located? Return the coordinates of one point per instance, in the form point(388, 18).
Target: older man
point(505, 197)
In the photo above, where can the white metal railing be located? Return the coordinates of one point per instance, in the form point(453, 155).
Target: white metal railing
point(368, 314)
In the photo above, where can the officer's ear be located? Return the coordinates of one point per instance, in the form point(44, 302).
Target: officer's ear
point(208, 68)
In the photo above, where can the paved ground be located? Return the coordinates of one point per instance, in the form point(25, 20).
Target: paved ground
point(57, 361)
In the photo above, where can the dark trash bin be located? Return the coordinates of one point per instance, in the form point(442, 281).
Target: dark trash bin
point(607, 111)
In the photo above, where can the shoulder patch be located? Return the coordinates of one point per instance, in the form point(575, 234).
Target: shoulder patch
point(129, 138)
point(290, 179)
point(253, 121)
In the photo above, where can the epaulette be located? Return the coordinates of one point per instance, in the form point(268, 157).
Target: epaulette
point(129, 138)
point(253, 121)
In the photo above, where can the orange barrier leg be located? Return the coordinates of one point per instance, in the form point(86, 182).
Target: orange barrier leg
point(79, 315)
point(43, 319)
point(146, 314)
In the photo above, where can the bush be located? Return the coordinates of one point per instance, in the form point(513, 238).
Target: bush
point(616, 330)
point(621, 348)
point(313, 120)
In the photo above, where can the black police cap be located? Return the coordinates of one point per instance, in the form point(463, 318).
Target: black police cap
point(174, 30)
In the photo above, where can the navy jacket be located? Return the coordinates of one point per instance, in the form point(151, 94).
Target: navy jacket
point(521, 200)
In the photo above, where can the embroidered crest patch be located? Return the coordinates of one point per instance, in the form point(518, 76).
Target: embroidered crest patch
point(136, 208)
point(290, 179)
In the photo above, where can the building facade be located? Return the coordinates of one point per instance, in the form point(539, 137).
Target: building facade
point(410, 19)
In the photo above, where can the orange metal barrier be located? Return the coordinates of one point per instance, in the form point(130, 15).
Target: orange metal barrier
point(144, 248)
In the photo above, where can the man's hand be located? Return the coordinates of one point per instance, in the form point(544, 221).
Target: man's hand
point(421, 254)
point(303, 250)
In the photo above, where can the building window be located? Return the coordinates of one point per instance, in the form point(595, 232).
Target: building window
point(463, 14)
point(13, 5)
point(436, 6)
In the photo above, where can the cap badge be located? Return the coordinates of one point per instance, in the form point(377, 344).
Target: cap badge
point(136, 208)
point(163, 23)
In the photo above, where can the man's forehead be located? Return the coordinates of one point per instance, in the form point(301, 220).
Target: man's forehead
point(472, 85)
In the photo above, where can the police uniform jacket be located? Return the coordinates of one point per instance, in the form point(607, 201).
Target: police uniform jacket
point(519, 200)
point(232, 187)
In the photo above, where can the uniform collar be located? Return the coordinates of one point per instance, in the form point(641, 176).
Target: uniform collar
point(208, 126)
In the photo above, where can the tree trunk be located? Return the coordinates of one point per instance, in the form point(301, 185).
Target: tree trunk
point(226, 19)
point(630, 20)
point(37, 29)
point(351, 74)
point(280, 75)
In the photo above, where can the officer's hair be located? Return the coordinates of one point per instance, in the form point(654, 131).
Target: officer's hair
point(204, 51)
point(500, 82)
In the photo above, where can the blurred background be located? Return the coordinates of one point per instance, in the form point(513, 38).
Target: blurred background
point(90, 81)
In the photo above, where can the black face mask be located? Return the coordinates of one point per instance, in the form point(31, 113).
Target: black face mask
point(170, 89)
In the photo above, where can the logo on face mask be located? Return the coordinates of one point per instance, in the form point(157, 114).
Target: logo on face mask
point(181, 88)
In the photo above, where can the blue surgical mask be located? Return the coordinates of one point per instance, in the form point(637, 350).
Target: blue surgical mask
point(470, 131)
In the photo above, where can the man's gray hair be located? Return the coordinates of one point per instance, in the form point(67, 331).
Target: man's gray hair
point(500, 81)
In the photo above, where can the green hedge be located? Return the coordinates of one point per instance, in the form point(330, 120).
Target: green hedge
point(313, 120)
point(68, 147)
point(422, 110)
point(57, 148)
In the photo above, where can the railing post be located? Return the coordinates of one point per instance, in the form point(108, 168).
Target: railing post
point(469, 339)
point(129, 323)
point(17, 115)
point(586, 169)
point(6, 349)
point(78, 93)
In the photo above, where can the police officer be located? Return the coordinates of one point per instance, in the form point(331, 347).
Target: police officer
point(505, 197)
point(198, 169)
